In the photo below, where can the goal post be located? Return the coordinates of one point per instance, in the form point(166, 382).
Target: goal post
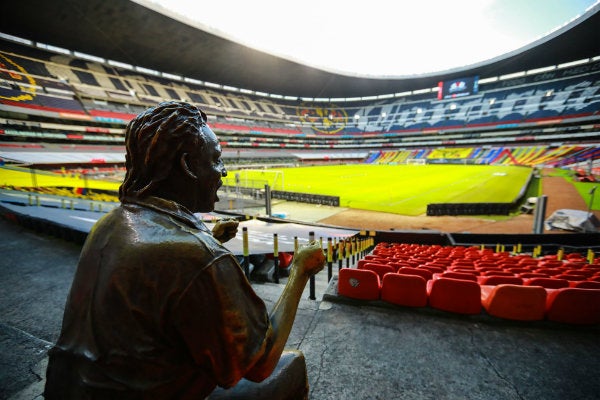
point(274, 178)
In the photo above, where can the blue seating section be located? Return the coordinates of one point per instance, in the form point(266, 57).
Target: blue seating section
point(414, 122)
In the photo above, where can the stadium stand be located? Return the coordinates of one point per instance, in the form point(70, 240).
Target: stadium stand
point(69, 113)
point(522, 119)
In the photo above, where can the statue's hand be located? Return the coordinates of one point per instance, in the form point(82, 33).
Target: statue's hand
point(309, 259)
point(225, 230)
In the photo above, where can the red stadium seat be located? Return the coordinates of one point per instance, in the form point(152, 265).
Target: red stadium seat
point(404, 290)
point(550, 264)
point(569, 277)
point(427, 275)
point(361, 263)
point(528, 275)
point(547, 283)
point(549, 271)
point(463, 270)
point(484, 270)
point(493, 280)
point(498, 273)
point(284, 259)
point(583, 272)
point(573, 306)
point(379, 269)
point(457, 275)
point(454, 295)
point(515, 302)
point(586, 285)
point(362, 284)
point(433, 270)
point(517, 270)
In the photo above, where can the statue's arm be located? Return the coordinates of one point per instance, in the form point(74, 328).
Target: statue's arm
point(307, 261)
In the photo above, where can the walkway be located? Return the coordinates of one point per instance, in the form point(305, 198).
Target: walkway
point(357, 352)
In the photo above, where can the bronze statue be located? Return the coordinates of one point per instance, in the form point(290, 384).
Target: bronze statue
point(158, 308)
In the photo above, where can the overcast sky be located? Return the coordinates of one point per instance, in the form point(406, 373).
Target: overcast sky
point(383, 38)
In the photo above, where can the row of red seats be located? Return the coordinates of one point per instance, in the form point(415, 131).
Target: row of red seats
point(589, 279)
point(516, 302)
point(474, 264)
point(510, 286)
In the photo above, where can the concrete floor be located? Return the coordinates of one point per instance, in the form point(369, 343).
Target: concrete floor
point(353, 350)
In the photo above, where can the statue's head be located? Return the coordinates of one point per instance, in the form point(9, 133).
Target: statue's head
point(172, 153)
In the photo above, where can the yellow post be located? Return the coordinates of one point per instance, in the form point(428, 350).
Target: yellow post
point(590, 256)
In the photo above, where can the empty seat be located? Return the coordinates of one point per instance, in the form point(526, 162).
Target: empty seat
point(515, 302)
point(457, 275)
point(547, 283)
point(404, 290)
point(454, 295)
point(570, 277)
point(379, 269)
point(283, 259)
point(361, 263)
point(533, 275)
point(549, 271)
point(493, 280)
point(463, 270)
point(433, 270)
point(573, 306)
point(427, 275)
point(360, 284)
point(586, 285)
point(484, 270)
point(498, 273)
point(518, 270)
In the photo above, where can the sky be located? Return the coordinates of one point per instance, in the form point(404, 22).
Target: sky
point(382, 38)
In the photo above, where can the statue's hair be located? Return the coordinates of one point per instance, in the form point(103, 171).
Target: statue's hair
point(155, 140)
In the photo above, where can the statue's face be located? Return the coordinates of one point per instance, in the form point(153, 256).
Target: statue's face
point(208, 166)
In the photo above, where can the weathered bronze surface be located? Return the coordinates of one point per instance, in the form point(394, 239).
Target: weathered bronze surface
point(158, 308)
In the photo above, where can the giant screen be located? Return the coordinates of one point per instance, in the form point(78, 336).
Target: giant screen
point(458, 87)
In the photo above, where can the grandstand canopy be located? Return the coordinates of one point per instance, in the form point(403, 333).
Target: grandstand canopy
point(129, 32)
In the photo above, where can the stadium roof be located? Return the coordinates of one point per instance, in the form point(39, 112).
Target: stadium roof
point(129, 32)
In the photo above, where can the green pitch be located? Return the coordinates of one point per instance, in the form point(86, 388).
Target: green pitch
point(20, 177)
point(400, 189)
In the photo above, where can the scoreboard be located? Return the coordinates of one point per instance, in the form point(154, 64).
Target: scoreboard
point(458, 87)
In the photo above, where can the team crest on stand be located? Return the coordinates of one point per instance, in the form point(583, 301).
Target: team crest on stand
point(22, 85)
point(329, 119)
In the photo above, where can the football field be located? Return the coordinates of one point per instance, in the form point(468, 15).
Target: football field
point(400, 189)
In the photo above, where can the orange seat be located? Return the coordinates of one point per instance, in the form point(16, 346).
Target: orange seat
point(573, 305)
point(404, 290)
point(427, 275)
point(493, 280)
point(457, 275)
point(533, 275)
point(518, 270)
point(362, 284)
point(549, 271)
point(454, 295)
point(547, 283)
point(516, 302)
point(283, 259)
point(379, 269)
point(586, 285)
point(361, 263)
point(570, 277)
point(433, 270)
point(498, 273)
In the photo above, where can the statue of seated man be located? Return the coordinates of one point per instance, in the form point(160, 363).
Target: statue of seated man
point(158, 308)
